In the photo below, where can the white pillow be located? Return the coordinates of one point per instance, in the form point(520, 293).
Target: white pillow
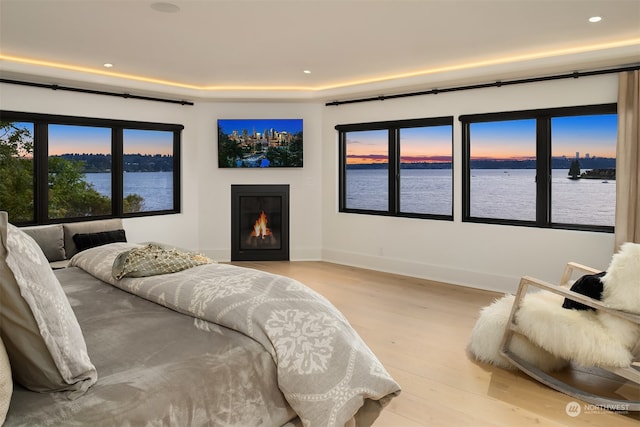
point(40, 332)
point(6, 383)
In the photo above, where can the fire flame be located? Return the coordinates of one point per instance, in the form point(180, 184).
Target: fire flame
point(260, 228)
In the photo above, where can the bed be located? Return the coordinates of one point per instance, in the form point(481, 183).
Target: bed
point(206, 344)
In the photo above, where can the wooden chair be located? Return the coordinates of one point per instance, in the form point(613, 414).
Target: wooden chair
point(630, 373)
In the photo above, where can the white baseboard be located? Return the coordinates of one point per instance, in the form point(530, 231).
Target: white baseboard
point(472, 279)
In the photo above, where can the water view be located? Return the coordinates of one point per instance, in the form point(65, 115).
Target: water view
point(155, 187)
point(495, 193)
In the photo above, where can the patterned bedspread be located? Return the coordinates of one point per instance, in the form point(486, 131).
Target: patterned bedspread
point(326, 372)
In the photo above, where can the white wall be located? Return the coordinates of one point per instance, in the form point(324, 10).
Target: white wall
point(214, 193)
point(470, 254)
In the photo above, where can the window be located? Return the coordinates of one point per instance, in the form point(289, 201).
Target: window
point(503, 168)
point(16, 170)
point(507, 156)
point(79, 166)
point(148, 167)
point(367, 170)
point(66, 168)
point(401, 168)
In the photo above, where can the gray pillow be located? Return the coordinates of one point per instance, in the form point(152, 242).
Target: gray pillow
point(41, 334)
point(73, 228)
point(50, 238)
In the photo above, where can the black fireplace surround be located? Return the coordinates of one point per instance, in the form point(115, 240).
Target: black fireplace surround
point(259, 222)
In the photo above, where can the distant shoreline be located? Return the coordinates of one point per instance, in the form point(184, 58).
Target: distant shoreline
point(592, 163)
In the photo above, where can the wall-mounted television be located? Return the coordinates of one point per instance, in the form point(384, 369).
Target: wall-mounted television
point(260, 143)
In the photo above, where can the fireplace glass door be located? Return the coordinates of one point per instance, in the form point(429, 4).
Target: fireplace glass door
point(260, 229)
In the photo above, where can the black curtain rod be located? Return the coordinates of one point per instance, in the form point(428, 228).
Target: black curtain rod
point(94, 92)
point(572, 75)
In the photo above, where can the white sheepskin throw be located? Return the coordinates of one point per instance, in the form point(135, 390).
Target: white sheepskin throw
point(621, 284)
point(553, 335)
point(486, 338)
point(586, 338)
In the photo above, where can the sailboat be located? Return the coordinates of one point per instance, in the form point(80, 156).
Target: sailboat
point(574, 170)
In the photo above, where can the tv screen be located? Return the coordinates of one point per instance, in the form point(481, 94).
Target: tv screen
point(260, 143)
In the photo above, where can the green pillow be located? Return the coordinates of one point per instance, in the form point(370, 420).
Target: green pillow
point(152, 259)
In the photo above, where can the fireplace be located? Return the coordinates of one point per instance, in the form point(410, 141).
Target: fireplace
point(259, 222)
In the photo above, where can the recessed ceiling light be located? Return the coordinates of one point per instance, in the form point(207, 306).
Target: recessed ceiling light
point(108, 65)
point(165, 7)
point(307, 71)
point(595, 19)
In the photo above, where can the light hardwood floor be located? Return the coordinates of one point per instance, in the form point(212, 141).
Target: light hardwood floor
point(419, 330)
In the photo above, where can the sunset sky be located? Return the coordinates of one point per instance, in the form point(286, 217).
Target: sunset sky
point(513, 139)
point(516, 139)
point(423, 144)
point(65, 139)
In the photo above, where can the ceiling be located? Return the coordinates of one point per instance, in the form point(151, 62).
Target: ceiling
point(259, 49)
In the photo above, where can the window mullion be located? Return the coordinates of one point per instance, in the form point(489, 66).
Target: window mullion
point(41, 172)
point(394, 170)
point(342, 156)
point(176, 170)
point(543, 172)
point(466, 171)
point(117, 171)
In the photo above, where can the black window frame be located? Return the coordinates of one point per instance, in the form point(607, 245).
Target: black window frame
point(41, 124)
point(393, 128)
point(543, 119)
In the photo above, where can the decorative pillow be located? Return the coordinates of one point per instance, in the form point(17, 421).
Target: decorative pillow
point(91, 240)
point(589, 285)
point(151, 260)
point(40, 332)
point(50, 238)
point(6, 383)
point(93, 226)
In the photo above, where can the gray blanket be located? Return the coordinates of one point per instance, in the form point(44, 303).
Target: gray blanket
point(156, 367)
point(326, 372)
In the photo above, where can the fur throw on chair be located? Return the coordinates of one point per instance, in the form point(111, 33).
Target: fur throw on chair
point(551, 336)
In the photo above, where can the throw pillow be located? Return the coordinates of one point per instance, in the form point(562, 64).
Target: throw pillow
point(589, 285)
point(151, 260)
point(91, 240)
point(93, 226)
point(39, 329)
point(50, 238)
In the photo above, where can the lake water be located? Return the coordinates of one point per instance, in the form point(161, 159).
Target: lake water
point(495, 193)
point(155, 187)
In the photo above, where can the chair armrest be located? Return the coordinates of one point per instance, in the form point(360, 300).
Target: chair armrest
point(567, 293)
point(572, 267)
